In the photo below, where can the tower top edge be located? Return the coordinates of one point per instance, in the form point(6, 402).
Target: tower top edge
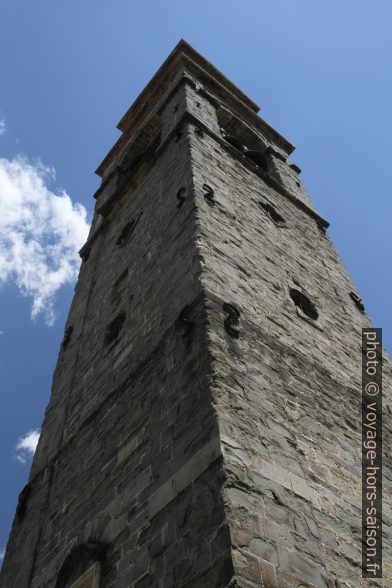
point(181, 53)
point(181, 59)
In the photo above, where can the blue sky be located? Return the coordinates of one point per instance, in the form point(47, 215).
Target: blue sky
point(69, 70)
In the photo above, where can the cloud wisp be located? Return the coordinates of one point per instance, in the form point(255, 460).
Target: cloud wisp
point(3, 126)
point(26, 446)
point(41, 233)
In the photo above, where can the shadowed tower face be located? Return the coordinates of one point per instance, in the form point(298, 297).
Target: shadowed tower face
point(204, 424)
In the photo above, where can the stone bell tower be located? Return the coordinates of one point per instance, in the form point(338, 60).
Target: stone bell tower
point(204, 424)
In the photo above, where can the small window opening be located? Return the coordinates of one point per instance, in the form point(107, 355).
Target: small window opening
point(304, 304)
point(357, 301)
point(244, 138)
point(82, 566)
point(22, 501)
point(89, 579)
point(257, 157)
point(67, 336)
point(185, 318)
point(113, 330)
point(139, 157)
point(233, 141)
point(273, 214)
point(127, 232)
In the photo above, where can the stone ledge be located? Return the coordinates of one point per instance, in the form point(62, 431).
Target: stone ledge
point(195, 466)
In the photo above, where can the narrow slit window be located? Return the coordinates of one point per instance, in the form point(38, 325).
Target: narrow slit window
point(357, 301)
point(114, 328)
point(127, 232)
point(67, 336)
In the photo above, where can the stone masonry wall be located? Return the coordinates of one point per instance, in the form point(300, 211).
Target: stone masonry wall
point(287, 390)
point(194, 448)
point(130, 455)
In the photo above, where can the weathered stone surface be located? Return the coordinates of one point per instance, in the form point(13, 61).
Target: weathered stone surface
point(202, 430)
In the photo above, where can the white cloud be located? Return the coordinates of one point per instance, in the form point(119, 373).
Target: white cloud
point(40, 234)
point(3, 126)
point(26, 446)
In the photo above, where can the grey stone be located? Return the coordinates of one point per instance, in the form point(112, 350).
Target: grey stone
point(193, 455)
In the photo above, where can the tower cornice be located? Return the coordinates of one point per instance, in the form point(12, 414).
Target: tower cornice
point(183, 60)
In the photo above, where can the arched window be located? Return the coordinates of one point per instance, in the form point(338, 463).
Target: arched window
point(82, 566)
point(89, 579)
